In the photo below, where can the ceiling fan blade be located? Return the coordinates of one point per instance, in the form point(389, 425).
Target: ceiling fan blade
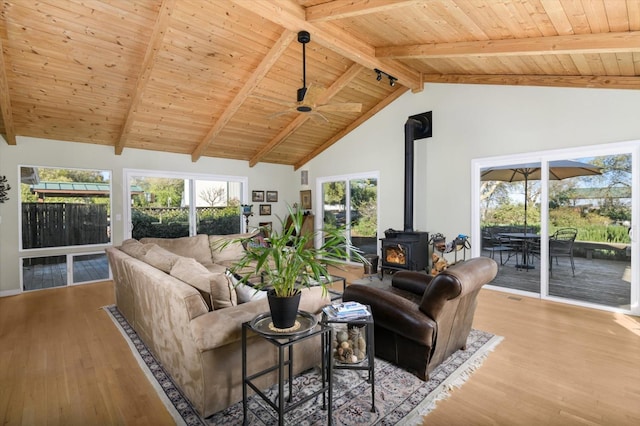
point(275, 101)
point(317, 117)
point(343, 107)
point(279, 113)
point(313, 93)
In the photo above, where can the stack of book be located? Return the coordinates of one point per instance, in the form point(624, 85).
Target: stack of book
point(346, 311)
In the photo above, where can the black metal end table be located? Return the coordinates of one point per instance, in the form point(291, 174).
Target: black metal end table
point(365, 321)
point(309, 328)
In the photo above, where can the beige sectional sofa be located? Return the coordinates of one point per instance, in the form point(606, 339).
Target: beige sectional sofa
point(176, 295)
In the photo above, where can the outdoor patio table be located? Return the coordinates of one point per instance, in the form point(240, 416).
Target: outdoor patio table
point(526, 238)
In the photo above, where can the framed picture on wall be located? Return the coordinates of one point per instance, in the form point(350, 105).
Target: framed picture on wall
point(265, 209)
point(272, 196)
point(257, 196)
point(305, 199)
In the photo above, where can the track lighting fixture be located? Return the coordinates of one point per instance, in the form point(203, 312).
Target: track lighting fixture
point(392, 79)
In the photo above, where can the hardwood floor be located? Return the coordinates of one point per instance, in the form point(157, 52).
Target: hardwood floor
point(63, 362)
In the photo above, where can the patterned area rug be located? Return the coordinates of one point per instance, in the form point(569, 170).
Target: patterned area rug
point(401, 398)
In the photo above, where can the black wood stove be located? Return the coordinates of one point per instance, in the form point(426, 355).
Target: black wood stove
point(408, 249)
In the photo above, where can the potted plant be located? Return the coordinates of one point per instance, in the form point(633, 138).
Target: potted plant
point(289, 262)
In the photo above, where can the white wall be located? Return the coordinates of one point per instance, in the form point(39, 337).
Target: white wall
point(49, 153)
point(472, 121)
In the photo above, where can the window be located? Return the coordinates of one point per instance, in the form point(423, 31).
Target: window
point(169, 205)
point(352, 202)
point(68, 210)
point(64, 207)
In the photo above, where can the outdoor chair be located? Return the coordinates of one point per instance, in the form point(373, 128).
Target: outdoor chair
point(561, 245)
point(494, 243)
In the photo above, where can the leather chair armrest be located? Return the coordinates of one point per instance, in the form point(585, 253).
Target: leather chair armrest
point(394, 313)
point(457, 281)
point(415, 282)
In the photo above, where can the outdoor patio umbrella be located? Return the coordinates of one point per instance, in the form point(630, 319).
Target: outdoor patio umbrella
point(558, 170)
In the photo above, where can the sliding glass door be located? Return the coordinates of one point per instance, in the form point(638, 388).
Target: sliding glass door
point(589, 224)
point(560, 224)
point(351, 202)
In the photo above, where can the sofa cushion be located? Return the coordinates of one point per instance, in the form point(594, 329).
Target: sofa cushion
point(133, 248)
point(196, 247)
point(159, 258)
point(232, 252)
point(245, 292)
point(215, 284)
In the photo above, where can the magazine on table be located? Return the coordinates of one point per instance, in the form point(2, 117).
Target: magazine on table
point(346, 310)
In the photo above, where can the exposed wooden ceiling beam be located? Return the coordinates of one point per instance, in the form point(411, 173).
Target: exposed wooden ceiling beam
point(335, 138)
point(571, 44)
point(336, 87)
point(290, 15)
point(340, 9)
point(600, 82)
point(250, 85)
point(146, 67)
point(5, 103)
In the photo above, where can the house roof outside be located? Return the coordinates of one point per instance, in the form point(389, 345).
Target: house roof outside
point(76, 189)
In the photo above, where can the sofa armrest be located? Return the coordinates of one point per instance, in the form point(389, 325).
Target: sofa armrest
point(394, 313)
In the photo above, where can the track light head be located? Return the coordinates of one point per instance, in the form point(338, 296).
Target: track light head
point(392, 79)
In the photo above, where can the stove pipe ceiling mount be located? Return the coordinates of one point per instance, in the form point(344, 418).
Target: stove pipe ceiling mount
point(418, 126)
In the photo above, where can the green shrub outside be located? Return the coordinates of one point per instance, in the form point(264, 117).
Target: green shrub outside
point(174, 222)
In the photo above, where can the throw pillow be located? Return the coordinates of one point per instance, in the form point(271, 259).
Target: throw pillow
point(215, 284)
point(196, 275)
point(245, 292)
point(133, 248)
point(159, 258)
point(223, 294)
point(196, 246)
point(257, 240)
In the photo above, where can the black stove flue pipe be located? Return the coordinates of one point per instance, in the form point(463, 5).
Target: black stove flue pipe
point(417, 127)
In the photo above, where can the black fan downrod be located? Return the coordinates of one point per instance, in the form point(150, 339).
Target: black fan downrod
point(303, 38)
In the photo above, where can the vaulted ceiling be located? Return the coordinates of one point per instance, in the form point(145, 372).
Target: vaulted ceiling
point(219, 78)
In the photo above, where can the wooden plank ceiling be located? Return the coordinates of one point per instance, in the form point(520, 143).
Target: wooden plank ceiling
point(209, 78)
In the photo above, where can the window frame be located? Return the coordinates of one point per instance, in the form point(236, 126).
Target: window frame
point(129, 173)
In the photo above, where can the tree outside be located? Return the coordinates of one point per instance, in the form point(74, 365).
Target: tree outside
point(598, 206)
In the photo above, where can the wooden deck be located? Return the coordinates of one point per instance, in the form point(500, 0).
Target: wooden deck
point(603, 282)
point(86, 268)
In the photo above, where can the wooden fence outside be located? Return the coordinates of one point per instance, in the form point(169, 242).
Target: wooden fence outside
point(63, 224)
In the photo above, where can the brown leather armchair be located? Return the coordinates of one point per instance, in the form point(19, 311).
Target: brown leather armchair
point(419, 320)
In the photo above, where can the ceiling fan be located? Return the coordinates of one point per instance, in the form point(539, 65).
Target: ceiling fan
point(307, 97)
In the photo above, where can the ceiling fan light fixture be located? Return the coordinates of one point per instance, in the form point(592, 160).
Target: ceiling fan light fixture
point(303, 108)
